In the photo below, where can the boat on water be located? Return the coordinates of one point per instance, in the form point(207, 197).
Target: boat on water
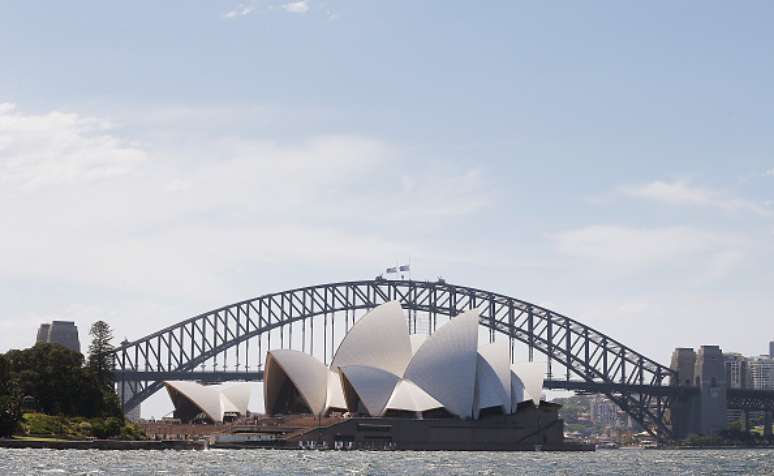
point(607, 445)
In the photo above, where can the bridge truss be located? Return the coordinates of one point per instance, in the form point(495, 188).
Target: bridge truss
point(573, 351)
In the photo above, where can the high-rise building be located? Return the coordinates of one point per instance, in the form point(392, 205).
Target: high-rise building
point(64, 333)
point(737, 376)
point(737, 370)
point(42, 336)
point(762, 372)
point(771, 349)
point(603, 411)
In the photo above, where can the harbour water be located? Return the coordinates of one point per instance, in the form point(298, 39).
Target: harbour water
point(248, 462)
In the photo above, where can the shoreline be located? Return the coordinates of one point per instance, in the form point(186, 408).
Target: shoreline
point(104, 444)
point(182, 445)
point(721, 447)
point(198, 445)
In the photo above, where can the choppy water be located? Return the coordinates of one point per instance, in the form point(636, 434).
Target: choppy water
point(235, 462)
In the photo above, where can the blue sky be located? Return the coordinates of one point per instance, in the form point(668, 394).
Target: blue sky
point(612, 160)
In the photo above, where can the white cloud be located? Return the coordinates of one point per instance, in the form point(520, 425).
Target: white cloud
point(240, 10)
point(301, 6)
point(633, 307)
point(58, 147)
point(770, 172)
point(194, 215)
point(671, 192)
point(724, 262)
point(640, 247)
point(683, 193)
point(177, 185)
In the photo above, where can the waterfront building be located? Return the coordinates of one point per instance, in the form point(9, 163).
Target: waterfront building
point(64, 333)
point(387, 389)
point(737, 376)
point(737, 370)
point(604, 412)
point(379, 369)
point(762, 372)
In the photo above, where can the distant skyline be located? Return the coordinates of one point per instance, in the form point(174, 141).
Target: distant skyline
point(611, 161)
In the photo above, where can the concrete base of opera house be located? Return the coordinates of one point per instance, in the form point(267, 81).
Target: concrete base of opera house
point(528, 430)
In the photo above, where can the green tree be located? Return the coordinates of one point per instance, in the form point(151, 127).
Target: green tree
point(10, 410)
point(100, 362)
point(50, 373)
point(56, 378)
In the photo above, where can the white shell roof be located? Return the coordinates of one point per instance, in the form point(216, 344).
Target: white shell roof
point(489, 390)
point(238, 395)
point(407, 396)
point(391, 370)
point(373, 386)
point(380, 339)
point(445, 365)
point(335, 397)
point(226, 405)
point(308, 374)
point(416, 342)
point(517, 392)
point(207, 399)
point(529, 376)
point(214, 401)
point(497, 355)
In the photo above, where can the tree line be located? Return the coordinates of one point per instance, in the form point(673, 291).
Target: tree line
point(59, 381)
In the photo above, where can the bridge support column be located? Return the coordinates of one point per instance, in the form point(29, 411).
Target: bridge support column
point(684, 411)
point(125, 393)
point(711, 375)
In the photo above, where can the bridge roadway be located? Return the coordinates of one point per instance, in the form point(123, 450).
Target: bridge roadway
point(737, 398)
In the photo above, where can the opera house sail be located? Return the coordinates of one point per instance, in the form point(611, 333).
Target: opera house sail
point(195, 402)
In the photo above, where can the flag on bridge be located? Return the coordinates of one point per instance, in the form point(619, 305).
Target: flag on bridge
point(391, 270)
point(405, 267)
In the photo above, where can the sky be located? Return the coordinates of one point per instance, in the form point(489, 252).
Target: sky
point(613, 161)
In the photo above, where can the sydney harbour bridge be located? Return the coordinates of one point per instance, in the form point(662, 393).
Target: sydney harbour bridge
point(230, 343)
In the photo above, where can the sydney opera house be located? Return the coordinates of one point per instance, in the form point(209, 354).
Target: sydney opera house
point(387, 389)
point(395, 390)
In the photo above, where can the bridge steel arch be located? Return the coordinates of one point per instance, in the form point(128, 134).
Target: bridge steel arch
point(633, 381)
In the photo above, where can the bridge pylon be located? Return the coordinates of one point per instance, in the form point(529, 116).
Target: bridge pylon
point(703, 411)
